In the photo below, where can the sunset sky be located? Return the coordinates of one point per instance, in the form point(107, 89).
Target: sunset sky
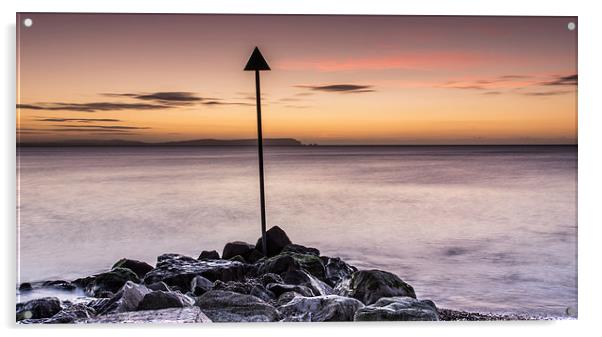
point(334, 79)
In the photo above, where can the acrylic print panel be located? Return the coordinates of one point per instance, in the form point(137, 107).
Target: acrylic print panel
point(351, 168)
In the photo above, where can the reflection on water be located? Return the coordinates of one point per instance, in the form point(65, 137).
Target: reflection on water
point(475, 228)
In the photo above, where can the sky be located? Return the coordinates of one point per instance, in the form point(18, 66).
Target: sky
point(333, 79)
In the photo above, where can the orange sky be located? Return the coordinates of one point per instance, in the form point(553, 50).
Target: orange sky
point(334, 79)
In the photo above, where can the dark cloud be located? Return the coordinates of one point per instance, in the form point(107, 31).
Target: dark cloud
point(547, 93)
point(91, 107)
point(78, 120)
point(514, 77)
point(107, 127)
point(492, 93)
point(220, 102)
point(563, 80)
point(346, 88)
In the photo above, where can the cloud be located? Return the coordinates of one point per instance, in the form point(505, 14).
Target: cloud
point(345, 88)
point(492, 93)
point(91, 107)
point(547, 93)
point(104, 127)
point(165, 97)
point(78, 120)
point(220, 102)
point(563, 80)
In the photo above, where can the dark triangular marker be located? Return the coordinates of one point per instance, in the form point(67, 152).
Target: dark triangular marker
point(256, 62)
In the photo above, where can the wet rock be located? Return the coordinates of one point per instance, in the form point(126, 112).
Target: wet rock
point(286, 297)
point(209, 255)
point(336, 270)
point(238, 258)
point(294, 248)
point(370, 285)
point(71, 313)
point(138, 267)
point(126, 299)
point(104, 294)
point(398, 309)
point(179, 271)
point(268, 278)
point(278, 289)
point(231, 249)
point(38, 308)
point(59, 284)
point(200, 285)
point(108, 281)
point(237, 287)
point(301, 277)
point(227, 306)
point(278, 264)
point(171, 315)
point(254, 256)
point(158, 286)
point(276, 240)
point(98, 303)
point(25, 286)
point(163, 300)
point(320, 309)
point(261, 292)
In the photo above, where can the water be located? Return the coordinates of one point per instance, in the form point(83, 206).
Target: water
point(490, 229)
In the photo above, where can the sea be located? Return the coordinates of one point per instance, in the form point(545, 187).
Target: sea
point(475, 228)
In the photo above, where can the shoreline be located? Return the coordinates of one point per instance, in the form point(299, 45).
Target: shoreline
point(293, 283)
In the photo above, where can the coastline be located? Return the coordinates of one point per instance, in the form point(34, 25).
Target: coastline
point(293, 283)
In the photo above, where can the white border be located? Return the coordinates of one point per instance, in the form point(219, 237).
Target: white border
point(590, 167)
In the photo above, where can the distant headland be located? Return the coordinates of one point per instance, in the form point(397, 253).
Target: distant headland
point(194, 142)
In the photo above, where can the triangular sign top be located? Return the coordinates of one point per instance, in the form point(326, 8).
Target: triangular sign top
point(256, 61)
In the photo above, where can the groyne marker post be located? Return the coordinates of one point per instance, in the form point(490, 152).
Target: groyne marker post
point(257, 63)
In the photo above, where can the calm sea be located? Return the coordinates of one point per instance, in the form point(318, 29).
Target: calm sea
point(490, 229)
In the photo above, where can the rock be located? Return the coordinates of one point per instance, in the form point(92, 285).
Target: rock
point(268, 278)
point(370, 285)
point(178, 270)
point(126, 299)
point(138, 267)
point(98, 303)
point(158, 286)
point(237, 287)
point(276, 240)
point(231, 249)
point(301, 277)
point(104, 294)
point(163, 300)
point(59, 284)
point(200, 285)
point(209, 255)
point(320, 309)
point(254, 256)
point(398, 309)
point(294, 248)
point(278, 264)
point(109, 281)
point(336, 270)
point(238, 258)
point(25, 286)
point(227, 306)
point(286, 297)
point(278, 289)
point(171, 315)
point(71, 313)
point(261, 292)
point(38, 308)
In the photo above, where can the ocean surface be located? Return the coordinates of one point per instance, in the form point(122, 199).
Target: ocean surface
point(489, 229)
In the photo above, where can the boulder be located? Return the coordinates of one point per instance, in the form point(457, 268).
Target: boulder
point(200, 285)
point(44, 307)
point(286, 297)
point(336, 270)
point(320, 309)
point(278, 264)
point(126, 299)
point(209, 255)
point(108, 281)
point(158, 286)
point(231, 249)
point(138, 267)
point(301, 277)
point(294, 248)
point(227, 306)
point(25, 286)
point(398, 309)
point(162, 300)
point(235, 286)
point(276, 240)
point(71, 313)
point(261, 292)
point(179, 271)
point(254, 256)
point(268, 278)
point(238, 258)
point(279, 289)
point(171, 315)
point(370, 285)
